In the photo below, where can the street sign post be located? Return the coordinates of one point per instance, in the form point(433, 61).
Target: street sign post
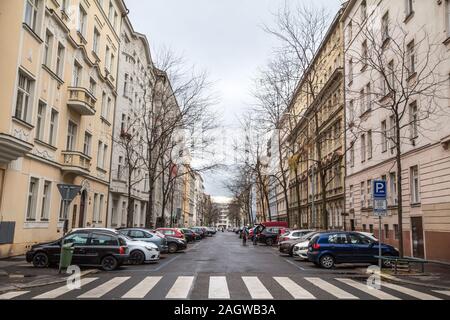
point(379, 208)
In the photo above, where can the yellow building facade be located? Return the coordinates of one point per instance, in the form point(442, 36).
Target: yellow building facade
point(57, 99)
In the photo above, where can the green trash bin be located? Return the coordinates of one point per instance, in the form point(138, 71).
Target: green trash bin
point(66, 256)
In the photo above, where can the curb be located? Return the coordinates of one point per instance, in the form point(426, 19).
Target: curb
point(29, 286)
point(395, 279)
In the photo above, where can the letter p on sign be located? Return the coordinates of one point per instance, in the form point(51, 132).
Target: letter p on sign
point(379, 190)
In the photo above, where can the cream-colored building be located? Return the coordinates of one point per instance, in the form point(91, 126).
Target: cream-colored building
point(57, 97)
point(400, 27)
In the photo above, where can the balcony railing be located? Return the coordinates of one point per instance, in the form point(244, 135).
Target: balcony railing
point(82, 101)
point(76, 162)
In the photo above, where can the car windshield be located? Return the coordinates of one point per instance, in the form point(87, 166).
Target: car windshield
point(308, 236)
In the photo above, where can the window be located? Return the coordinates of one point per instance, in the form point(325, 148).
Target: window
point(45, 209)
point(386, 231)
point(352, 199)
point(96, 206)
point(363, 195)
point(102, 155)
point(24, 99)
point(369, 193)
point(112, 63)
point(92, 87)
point(411, 58)
point(60, 60)
point(77, 72)
point(350, 31)
point(123, 124)
point(393, 133)
point(352, 156)
point(48, 44)
point(385, 27)
point(413, 120)
point(447, 5)
point(119, 168)
point(31, 14)
point(64, 5)
point(384, 136)
point(364, 227)
point(362, 102)
point(111, 12)
point(371, 228)
point(415, 191)
point(96, 41)
point(82, 21)
point(32, 199)
point(393, 188)
point(107, 107)
point(396, 232)
point(338, 238)
point(369, 145)
point(125, 86)
point(363, 148)
point(364, 54)
point(100, 208)
point(87, 144)
point(105, 156)
point(40, 121)
point(352, 110)
point(363, 10)
point(409, 7)
point(77, 239)
point(53, 127)
point(368, 97)
point(71, 136)
point(107, 59)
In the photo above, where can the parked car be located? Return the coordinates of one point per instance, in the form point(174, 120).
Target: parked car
point(331, 248)
point(141, 251)
point(268, 237)
point(288, 246)
point(189, 235)
point(199, 231)
point(293, 235)
point(175, 244)
point(211, 230)
point(146, 236)
point(99, 248)
point(172, 232)
point(300, 248)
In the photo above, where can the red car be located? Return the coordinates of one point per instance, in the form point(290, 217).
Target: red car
point(172, 232)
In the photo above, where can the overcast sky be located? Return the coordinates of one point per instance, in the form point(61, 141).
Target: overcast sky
point(225, 37)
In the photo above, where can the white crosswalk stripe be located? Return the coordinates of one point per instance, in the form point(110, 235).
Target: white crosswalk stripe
point(53, 294)
point(12, 295)
point(367, 289)
point(294, 289)
point(445, 292)
point(142, 289)
point(410, 292)
point(256, 288)
point(218, 288)
point(103, 289)
point(331, 289)
point(181, 288)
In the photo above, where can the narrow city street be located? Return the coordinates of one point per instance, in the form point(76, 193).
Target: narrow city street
point(220, 267)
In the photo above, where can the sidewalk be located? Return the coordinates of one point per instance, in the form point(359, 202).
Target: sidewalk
point(17, 274)
point(436, 276)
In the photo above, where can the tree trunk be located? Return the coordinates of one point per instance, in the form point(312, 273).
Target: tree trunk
point(150, 207)
point(130, 207)
point(297, 190)
point(399, 188)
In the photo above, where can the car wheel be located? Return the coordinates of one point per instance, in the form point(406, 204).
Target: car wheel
point(137, 257)
point(173, 248)
point(269, 242)
point(386, 263)
point(327, 261)
point(109, 263)
point(40, 260)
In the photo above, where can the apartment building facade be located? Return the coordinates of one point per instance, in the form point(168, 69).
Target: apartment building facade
point(417, 33)
point(129, 176)
point(316, 134)
point(59, 68)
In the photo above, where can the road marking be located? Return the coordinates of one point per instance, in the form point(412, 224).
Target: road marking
point(410, 292)
point(181, 288)
point(12, 295)
point(445, 293)
point(256, 288)
point(62, 290)
point(367, 289)
point(142, 288)
point(331, 289)
point(218, 288)
point(103, 289)
point(294, 289)
point(295, 265)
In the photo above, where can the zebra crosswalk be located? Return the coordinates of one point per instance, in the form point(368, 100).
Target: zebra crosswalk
point(225, 287)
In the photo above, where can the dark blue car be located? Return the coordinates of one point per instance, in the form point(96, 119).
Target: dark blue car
point(328, 249)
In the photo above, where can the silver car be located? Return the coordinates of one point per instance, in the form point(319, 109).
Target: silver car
point(146, 236)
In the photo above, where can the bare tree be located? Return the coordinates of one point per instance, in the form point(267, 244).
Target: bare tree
point(406, 83)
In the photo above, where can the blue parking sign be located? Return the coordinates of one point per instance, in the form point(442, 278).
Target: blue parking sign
point(379, 190)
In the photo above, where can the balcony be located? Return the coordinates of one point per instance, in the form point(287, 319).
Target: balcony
point(81, 101)
point(12, 148)
point(76, 163)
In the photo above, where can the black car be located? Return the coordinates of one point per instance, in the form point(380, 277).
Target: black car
point(200, 231)
point(267, 237)
point(175, 244)
point(103, 249)
point(189, 235)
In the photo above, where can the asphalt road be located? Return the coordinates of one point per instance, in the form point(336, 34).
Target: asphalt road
point(222, 268)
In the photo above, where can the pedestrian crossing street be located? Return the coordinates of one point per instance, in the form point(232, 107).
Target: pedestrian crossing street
point(219, 287)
